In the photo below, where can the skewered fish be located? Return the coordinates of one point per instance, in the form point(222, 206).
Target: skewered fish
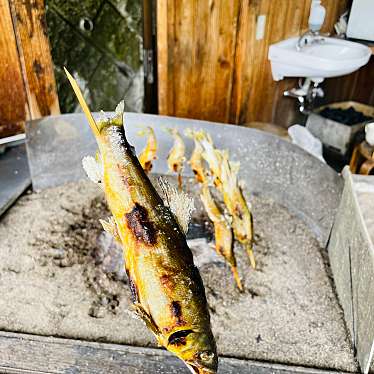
point(242, 220)
point(222, 232)
point(196, 160)
point(225, 174)
point(149, 153)
point(224, 241)
point(166, 287)
point(176, 157)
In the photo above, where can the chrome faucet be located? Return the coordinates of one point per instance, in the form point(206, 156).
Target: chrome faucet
point(309, 38)
point(305, 94)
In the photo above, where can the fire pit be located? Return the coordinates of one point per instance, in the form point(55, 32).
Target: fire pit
point(62, 275)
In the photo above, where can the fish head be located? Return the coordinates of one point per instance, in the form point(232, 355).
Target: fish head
point(196, 349)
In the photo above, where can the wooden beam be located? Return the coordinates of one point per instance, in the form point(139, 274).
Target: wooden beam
point(34, 53)
point(13, 105)
point(162, 55)
point(21, 353)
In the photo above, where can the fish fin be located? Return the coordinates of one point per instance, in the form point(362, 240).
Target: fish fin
point(250, 254)
point(180, 204)
point(235, 166)
point(147, 319)
point(110, 227)
point(189, 133)
point(237, 278)
point(93, 169)
point(120, 108)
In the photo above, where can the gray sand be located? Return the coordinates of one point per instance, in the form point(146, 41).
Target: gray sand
point(60, 276)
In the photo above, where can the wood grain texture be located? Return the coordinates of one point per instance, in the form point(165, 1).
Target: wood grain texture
point(358, 86)
point(28, 89)
point(162, 56)
point(21, 353)
point(212, 67)
point(196, 65)
point(13, 106)
point(35, 57)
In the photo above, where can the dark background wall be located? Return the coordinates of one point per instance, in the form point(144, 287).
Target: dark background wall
point(100, 42)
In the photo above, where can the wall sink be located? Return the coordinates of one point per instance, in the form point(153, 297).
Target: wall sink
point(326, 58)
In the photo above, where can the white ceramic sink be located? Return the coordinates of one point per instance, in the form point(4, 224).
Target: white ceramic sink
point(329, 58)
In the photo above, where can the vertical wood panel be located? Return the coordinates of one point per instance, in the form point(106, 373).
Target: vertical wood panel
point(13, 105)
point(170, 21)
point(200, 53)
point(31, 34)
point(162, 55)
point(358, 86)
point(206, 28)
point(217, 70)
point(227, 24)
point(182, 55)
point(27, 89)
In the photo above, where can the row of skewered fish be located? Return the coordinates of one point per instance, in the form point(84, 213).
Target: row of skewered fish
point(213, 170)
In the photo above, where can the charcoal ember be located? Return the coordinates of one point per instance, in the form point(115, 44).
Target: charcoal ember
point(349, 116)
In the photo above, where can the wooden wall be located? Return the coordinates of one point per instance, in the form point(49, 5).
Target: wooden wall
point(358, 86)
point(210, 65)
point(27, 88)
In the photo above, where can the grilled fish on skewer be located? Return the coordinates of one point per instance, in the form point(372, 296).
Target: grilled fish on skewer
point(222, 229)
point(196, 160)
point(176, 156)
point(226, 181)
point(149, 152)
point(211, 155)
point(222, 232)
point(242, 220)
point(167, 291)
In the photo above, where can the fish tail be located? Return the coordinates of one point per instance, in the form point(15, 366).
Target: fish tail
point(237, 278)
point(251, 256)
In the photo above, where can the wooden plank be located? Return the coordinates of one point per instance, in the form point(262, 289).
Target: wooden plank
point(182, 69)
point(21, 353)
point(228, 25)
point(201, 45)
point(357, 86)
point(13, 107)
point(35, 57)
point(170, 53)
point(206, 28)
point(162, 54)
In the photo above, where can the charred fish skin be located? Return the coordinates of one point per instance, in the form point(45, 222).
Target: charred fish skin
point(166, 287)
